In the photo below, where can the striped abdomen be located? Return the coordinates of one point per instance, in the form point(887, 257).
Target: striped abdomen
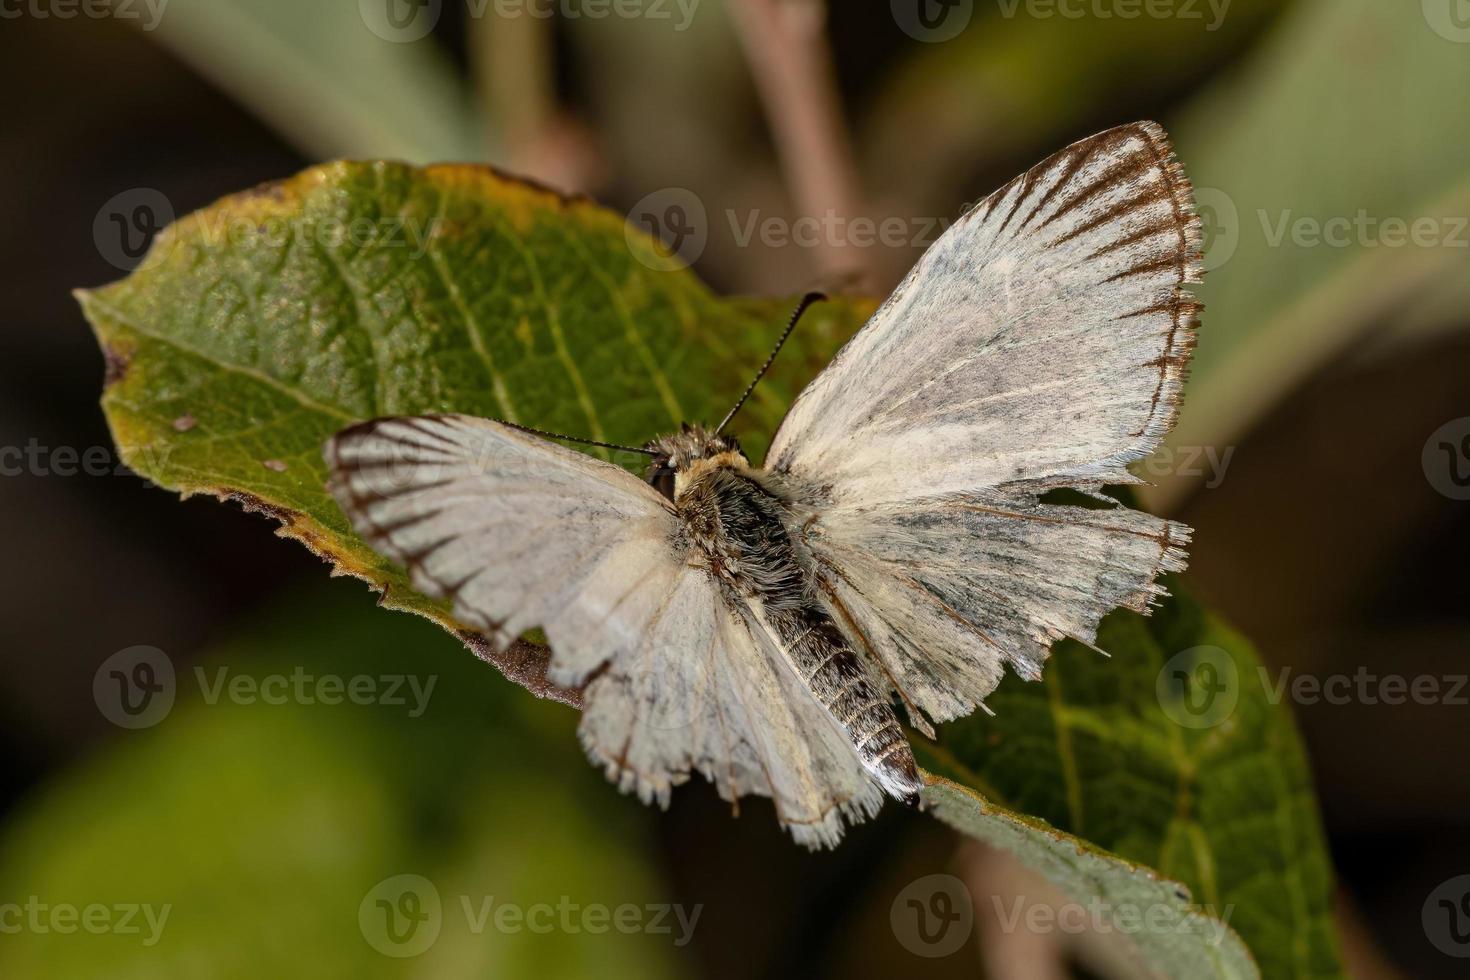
point(740, 527)
point(830, 667)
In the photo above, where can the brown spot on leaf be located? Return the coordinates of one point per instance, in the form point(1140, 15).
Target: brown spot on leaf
point(484, 171)
point(274, 465)
point(115, 365)
point(294, 525)
point(184, 423)
point(258, 505)
point(524, 664)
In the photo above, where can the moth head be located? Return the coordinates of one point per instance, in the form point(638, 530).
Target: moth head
point(680, 455)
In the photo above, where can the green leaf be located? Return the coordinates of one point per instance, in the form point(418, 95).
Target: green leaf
point(250, 335)
point(1166, 934)
point(1200, 778)
point(258, 821)
point(257, 328)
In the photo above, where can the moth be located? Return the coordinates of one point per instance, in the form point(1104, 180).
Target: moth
point(771, 627)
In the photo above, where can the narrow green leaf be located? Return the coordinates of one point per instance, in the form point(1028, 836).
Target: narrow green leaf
point(1165, 932)
point(1332, 201)
point(342, 79)
point(1170, 754)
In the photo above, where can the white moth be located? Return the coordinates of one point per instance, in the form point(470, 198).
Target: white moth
point(760, 626)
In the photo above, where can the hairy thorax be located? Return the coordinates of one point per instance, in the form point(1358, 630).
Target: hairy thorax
point(736, 524)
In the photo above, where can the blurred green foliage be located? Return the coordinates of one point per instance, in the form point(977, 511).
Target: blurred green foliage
point(1334, 177)
point(262, 828)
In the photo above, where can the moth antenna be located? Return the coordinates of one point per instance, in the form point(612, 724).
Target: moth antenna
point(585, 442)
point(801, 308)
